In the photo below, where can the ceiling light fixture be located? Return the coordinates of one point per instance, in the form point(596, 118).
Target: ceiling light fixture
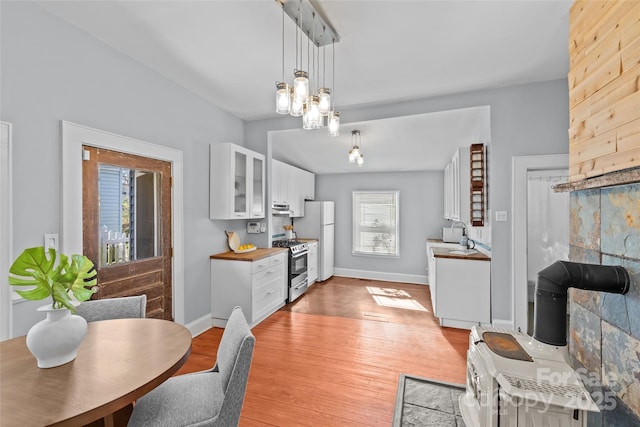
point(355, 153)
point(305, 97)
point(283, 99)
point(334, 116)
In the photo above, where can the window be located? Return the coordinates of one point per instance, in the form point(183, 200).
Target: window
point(375, 223)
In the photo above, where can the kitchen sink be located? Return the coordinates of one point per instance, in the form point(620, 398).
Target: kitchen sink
point(464, 252)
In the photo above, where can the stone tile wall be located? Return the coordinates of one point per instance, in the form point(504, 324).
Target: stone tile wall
point(604, 329)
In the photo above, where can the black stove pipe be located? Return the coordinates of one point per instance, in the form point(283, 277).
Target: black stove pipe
point(550, 317)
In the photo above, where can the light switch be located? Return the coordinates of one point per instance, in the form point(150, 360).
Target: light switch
point(502, 216)
point(51, 241)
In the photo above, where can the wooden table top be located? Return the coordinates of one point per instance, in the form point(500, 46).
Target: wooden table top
point(118, 361)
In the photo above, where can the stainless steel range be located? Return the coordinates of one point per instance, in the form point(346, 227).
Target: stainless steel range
point(297, 266)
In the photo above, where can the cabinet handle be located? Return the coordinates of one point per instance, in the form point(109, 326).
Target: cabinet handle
point(271, 292)
point(271, 271)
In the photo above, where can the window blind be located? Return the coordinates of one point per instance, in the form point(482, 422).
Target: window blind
point(375, 223)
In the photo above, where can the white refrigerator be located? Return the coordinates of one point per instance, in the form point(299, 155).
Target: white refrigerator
point(318, 223)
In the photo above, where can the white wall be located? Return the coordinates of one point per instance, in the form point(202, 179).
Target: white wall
point(525, 120)
point(52, 71)
point(421, 195)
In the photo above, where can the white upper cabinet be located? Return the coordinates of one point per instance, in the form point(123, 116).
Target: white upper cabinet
point(307, 182)
point(292, 186)
point(457, 186)
point(236, 182)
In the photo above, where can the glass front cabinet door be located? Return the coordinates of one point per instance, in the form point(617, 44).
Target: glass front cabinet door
point(236, 182)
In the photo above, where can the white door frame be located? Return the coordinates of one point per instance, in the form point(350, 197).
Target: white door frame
point(6, 240)
point(521, 166)
point(74, 136)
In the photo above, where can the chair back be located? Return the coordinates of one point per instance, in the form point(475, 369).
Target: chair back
point(235, 353)
point(113, 308)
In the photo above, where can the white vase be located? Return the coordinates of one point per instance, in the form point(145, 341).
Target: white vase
point(54, 341)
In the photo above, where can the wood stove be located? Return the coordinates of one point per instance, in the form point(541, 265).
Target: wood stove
point(516, 380)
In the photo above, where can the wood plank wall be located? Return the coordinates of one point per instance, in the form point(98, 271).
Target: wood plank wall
point(604, 87)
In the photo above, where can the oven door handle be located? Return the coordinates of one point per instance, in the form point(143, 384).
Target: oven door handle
point(299, 254)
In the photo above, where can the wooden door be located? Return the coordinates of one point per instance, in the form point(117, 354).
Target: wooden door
point(127, 226)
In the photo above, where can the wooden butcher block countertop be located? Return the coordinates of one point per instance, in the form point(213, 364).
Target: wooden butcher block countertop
point(249, 256)
point(449, 253)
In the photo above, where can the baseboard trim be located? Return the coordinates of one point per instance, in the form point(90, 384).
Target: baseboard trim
point(381, 275)
point(200, 325)
point(502, 324)
point(460, 324)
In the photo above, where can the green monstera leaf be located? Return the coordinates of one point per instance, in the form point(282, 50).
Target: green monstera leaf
point(34, 269)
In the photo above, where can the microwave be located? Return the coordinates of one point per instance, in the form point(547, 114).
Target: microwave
point(452, 235)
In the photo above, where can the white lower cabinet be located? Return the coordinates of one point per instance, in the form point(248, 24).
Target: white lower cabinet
point(312, 263)
point(259, 287)
point(460, 291)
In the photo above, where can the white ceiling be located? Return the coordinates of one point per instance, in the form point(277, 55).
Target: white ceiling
point(409, 143)
point(229, 52)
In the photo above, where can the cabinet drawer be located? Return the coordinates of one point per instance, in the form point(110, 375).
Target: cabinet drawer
point(264, 263)
point(266, 275)
point(266, 295)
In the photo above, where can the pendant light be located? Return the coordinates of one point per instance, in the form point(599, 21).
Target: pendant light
point(308, 96)
point(297, 103)
point(301, 77)
point(334, 116)
point(334, 123)
point(311, 114)
point(301, 85)
point(324, 93)
point(283, 100)
point(355, 156)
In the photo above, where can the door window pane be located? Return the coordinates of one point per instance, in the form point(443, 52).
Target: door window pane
point(129, 214)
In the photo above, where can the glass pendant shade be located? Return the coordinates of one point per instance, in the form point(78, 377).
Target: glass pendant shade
point(307, 123)
point(360, 160)
point(324, 100)
point(297, 105)
point(283, 100)
point(334, 123)
point(312, 112)
point(301, 85)
point(354, 154)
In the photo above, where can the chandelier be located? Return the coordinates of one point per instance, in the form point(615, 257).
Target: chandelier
point(355, 152)
point(308, 96)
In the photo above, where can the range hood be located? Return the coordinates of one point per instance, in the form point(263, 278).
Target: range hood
point(280, 209)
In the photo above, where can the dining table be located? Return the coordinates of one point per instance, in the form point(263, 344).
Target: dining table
point(118, 361)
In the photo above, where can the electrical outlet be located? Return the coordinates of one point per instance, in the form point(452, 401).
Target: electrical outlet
point(51, 241)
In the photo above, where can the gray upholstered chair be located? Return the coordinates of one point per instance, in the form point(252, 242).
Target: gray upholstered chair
point(113, 308)
point(208, 398)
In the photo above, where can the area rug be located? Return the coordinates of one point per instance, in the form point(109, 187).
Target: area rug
point(427, 403)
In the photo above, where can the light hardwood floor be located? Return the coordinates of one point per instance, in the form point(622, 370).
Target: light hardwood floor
point(333, 358)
